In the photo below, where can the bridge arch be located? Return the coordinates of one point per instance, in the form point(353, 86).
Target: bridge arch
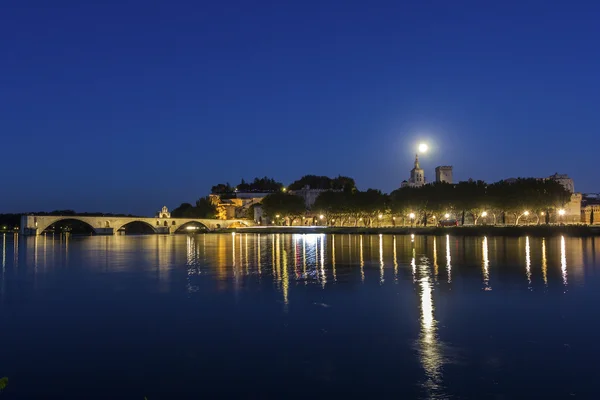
point(237, 224)
point(140, 221)
point(43, 226)
point(192, 224)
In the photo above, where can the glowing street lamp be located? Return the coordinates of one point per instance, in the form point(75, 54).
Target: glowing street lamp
point(561, 212)
point(380, 216)
point(484, 214)
point(526, 213)
point(446, 215)
point(321, 216)
point(411, 215)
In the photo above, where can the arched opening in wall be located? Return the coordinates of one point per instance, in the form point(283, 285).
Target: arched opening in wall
point(166, 223)
point(192, 227)
point(70, 225)
point(136, 228)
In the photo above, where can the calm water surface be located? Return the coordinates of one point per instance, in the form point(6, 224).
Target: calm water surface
point(299, 316)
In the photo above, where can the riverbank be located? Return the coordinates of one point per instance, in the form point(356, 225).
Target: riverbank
point(484, 230)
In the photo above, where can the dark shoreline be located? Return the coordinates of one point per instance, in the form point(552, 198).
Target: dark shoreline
point(531, 230)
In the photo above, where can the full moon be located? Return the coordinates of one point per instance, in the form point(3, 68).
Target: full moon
point(423, 148)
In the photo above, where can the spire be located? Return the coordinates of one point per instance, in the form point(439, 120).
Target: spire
point(416, 161)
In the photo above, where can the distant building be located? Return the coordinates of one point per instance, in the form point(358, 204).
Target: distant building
point(310, 195)
point(564, 180)
point(443, 173)
point(417, 176)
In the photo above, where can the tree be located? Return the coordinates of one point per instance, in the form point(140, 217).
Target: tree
point(285, 205)
point(222, 188)
point(369, 204)
point(204, 208)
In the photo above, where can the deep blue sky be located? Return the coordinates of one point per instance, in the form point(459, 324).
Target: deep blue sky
point(123, 106)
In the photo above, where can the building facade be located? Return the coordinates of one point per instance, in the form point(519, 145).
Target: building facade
point(443, 173)
point(236, 207)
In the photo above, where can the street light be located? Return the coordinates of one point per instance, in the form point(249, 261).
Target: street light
point(321, 216)
point(561, 213)
point(411, 215)
point(446, 215)
point(526, 213)
point(380, 216)
point(484, 214)
point(542, 214)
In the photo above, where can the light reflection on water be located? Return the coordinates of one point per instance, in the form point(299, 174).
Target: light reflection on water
point(295, 266)
point(430, 349)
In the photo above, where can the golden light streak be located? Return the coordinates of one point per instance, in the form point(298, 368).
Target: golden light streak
point(304, 258)
point(333, 256)
point(233, 250)
point(278, 260)
point(430, 349)
point(485, 262)
point(528, 260)
point(435, 264)
point(362, 261)
point(544, 263)
point(381, 263)
point(323, 274)
point(563, 260)
point(413, 263)
point(448, 259)
point(395, 260)
point(258, 255)
point(286, 282)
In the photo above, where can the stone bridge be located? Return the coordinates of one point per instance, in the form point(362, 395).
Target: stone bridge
point(36, 224)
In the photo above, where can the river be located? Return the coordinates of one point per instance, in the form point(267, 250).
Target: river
point(251, 316)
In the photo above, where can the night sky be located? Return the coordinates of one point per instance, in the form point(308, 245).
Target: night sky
point(126, 106)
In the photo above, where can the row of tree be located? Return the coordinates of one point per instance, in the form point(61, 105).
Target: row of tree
point(262, 185)
point(343, 183)
point(497, 203)
point(270, 185)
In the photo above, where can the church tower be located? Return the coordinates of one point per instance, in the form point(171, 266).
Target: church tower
point(417, 175)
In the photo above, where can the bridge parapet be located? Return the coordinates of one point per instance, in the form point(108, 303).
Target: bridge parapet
point(109, 225)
